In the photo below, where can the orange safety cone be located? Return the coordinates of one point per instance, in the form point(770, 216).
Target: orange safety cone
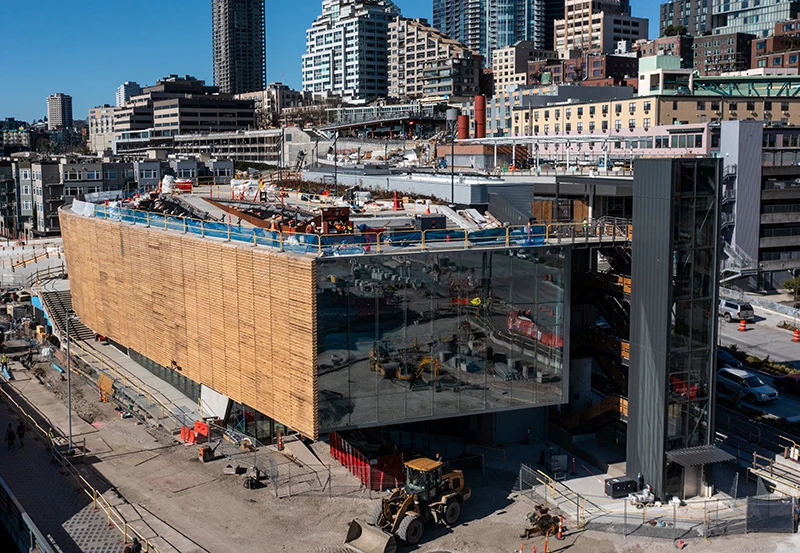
point(680, 545)
point(427, 208)
point(796, 336)
point(521, 547)
point(560, 535)
point(534, 548)
point(742, 325)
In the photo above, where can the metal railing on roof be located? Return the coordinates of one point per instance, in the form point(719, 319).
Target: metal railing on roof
point(376, 240)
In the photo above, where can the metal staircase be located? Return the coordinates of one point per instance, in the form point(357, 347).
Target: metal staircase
point(736, 264)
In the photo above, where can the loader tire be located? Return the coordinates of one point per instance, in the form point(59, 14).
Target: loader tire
point(410, 530)
point(375, 514)
point(452, 512)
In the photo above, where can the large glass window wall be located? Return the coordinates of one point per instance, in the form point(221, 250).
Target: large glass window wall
point(430, 335)
point(693, 310)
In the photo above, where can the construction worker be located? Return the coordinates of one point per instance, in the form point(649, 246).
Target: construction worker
point(585, 227)
point(4, 362)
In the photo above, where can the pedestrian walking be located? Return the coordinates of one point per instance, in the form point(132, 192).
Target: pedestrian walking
point(136, 547)
point(21, 432)
point(10, 436)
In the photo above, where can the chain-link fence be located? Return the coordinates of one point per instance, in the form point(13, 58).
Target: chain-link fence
point(720, 516)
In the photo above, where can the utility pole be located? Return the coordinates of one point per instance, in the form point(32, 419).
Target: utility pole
point(335, 163)
point(451, 118)
point(69, 315)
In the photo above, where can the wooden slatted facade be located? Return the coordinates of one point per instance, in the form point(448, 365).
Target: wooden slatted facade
point(238, 319)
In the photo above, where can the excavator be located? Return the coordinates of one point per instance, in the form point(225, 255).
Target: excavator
point(433, 492)
point(406, 372)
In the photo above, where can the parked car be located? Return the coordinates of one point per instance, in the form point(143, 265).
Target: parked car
point(749, 386)
point(789, 383)
point(733, 310)
point(725, 359)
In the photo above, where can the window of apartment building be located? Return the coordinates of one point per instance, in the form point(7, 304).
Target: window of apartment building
point(646, 106)
point(26, 189)
point(567, 127)
point(557, 128)
point(186, 173)
point(701, 106)
point(92, 175)
point(536, 129)
point(27, 205)
point(761, 63)
point(646, 123)
point(591, 110)
point(568, 112)
point(792, 58)
point(618, 124)
point(751, 106)
point(558, 113)
point(547, 114)
point(604, 110)
point(147, 174)
point(111, 175)
point(71, 190)
point(580, 126)
point(674, 105)
point(591, 125)
point(767, 106)
point(732, 106)
point(631, 124)
point(761, 45)
point(546, 129)
point(73, 174)
point(580, 112)
point(632, 107)
point(37, 175)
point(777, 60)
point(714, 106)
point(603, 126)
point(535, 115)
point(618, 108)
point(93, 189)
point(25, 174)
point(784, 106)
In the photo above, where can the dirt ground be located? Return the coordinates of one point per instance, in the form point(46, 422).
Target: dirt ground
point(162, 488)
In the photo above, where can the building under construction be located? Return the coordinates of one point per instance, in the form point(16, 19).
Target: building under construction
point(348, 329)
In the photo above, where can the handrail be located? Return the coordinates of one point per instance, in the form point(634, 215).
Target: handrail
point(114, 517)
point(355, 244)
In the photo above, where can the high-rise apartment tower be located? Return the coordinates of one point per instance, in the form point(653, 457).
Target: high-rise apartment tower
point(59, 111)
point(238, 45)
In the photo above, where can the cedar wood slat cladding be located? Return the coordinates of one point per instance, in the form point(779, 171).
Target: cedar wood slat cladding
point(239, 319)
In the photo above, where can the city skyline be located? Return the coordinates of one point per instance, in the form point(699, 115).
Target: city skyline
point(157, 49)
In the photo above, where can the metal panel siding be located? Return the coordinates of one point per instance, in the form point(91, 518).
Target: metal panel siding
point(740, 147)
point(650, 317)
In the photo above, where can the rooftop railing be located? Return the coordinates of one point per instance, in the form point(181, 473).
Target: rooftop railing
point(375, 240)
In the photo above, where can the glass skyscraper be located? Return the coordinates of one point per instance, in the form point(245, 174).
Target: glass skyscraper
point(484, 25)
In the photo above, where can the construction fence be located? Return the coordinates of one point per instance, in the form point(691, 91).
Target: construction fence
point(720, 516)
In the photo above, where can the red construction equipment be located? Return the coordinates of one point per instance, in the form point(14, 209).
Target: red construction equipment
point(742, 325)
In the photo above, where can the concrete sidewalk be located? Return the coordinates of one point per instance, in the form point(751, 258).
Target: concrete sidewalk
point(54, 500)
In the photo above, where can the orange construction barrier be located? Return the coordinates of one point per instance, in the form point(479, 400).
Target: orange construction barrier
point(560, 535)
point(796, 336)
point(742, 325)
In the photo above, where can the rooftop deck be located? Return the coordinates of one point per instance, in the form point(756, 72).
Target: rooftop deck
point(609, 232)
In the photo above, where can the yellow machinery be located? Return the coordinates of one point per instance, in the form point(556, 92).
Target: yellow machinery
point(379, 363)
point(433, 492)
point(426, 362)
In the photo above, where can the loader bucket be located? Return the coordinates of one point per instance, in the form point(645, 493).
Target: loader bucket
point(367, 539)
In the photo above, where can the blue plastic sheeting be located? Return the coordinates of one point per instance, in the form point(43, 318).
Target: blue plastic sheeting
point(37, 302)
point(346, 244)
point(59, 369)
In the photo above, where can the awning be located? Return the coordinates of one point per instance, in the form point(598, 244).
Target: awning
point(700, 455)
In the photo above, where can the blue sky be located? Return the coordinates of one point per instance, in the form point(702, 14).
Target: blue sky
point(86, 48)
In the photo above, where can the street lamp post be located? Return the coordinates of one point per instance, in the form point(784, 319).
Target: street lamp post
point(70, 315)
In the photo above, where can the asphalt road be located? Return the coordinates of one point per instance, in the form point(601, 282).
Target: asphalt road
point(762, 339)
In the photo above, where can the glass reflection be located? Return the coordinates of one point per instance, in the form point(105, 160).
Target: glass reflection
point(421, 335)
